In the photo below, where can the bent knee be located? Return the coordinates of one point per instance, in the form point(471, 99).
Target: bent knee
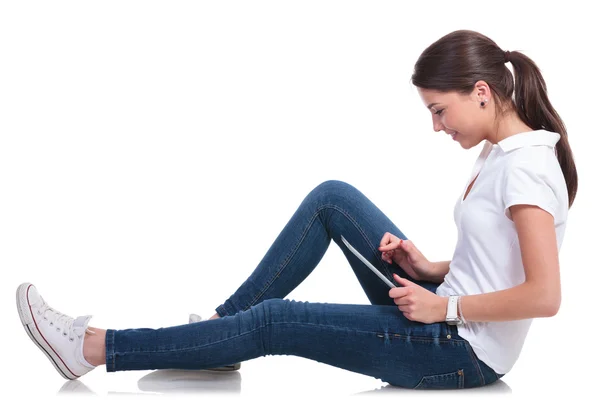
point(332, 189)
point(333, 185)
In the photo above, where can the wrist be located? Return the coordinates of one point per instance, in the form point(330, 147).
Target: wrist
point(460, 312)
point(435, 271)
point(427, 273)
point(442, 308)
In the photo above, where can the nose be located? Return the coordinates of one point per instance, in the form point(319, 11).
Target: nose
point(437, 126)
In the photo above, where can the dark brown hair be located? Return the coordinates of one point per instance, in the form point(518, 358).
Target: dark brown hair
point(456, 61)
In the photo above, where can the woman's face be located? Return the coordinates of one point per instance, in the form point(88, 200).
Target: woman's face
point(461, 115)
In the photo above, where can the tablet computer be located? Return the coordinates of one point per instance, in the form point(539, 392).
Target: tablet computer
point(368, 264)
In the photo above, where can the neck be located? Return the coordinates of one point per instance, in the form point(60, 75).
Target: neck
point(508, 126)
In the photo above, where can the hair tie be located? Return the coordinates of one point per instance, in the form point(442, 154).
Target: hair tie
point(506, 56)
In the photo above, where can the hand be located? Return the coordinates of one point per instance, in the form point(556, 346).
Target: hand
point(406, 255)
point(418, 303)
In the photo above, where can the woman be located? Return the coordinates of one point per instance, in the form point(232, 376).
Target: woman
point(447, 324)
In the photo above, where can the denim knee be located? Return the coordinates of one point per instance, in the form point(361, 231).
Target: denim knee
point(332, 192)
point(268, 310)
point(272, 305)
point(333, 186)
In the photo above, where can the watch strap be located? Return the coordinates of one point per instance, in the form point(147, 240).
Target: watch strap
point(452, 309)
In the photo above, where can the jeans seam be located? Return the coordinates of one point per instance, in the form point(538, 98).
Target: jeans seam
point(294, 250)
point(475, 362)
point(385, 268)
point(282, 323)
point(284, 263)
point(420, 338)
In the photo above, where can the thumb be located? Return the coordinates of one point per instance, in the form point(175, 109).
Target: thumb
point(406, 247)
point(402, 281)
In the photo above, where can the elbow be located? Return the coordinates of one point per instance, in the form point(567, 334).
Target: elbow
point(545, 299)
point(550, 307)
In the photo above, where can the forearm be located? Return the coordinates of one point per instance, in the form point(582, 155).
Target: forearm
point(519, 302)
point(437, 271)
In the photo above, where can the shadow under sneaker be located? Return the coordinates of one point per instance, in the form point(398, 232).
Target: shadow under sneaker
point(232, 367)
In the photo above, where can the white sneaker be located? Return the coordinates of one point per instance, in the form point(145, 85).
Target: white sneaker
point(231, 367)
point(59, 336)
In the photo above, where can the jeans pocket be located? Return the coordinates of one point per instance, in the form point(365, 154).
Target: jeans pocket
point(451, 380)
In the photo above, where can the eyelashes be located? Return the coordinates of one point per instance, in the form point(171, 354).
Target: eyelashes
point(439, 112)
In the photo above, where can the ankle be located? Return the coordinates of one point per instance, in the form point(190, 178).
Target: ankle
point(215, 316)
point(94, 347)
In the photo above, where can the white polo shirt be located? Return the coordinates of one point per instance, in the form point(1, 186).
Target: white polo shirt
point(521, 169)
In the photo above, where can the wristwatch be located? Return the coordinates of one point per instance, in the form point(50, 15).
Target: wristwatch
point(452, 317)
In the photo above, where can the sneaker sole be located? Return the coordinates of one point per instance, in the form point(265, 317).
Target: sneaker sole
point(34, 334)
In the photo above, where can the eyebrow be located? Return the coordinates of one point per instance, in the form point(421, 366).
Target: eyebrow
point(431, 105)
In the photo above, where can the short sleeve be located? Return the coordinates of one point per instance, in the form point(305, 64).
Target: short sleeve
point(526, 183)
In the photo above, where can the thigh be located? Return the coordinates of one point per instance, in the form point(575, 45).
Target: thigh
point(372, 340)
point(345, 210)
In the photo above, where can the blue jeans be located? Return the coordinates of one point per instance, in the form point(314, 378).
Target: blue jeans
point(375, 340)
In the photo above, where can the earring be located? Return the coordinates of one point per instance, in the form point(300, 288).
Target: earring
point(482, 103)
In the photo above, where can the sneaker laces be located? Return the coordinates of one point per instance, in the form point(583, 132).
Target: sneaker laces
point(64, 321)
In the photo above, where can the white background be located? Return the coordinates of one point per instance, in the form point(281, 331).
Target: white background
point(151, 152)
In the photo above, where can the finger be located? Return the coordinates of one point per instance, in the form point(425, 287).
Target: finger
point(402, 281)
point(393, 245)
point(384, 240)
point(389, 246)
point(402, 301)
point(408, 316)
point(398, 292)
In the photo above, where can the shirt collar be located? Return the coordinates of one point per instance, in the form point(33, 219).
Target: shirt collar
point(530, 138)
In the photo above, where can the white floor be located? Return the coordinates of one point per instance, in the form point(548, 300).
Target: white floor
point(265, 377)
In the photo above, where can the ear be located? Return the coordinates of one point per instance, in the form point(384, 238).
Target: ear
point(481, 91)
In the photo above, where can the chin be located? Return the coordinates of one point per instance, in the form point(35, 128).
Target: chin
point(468, 144)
